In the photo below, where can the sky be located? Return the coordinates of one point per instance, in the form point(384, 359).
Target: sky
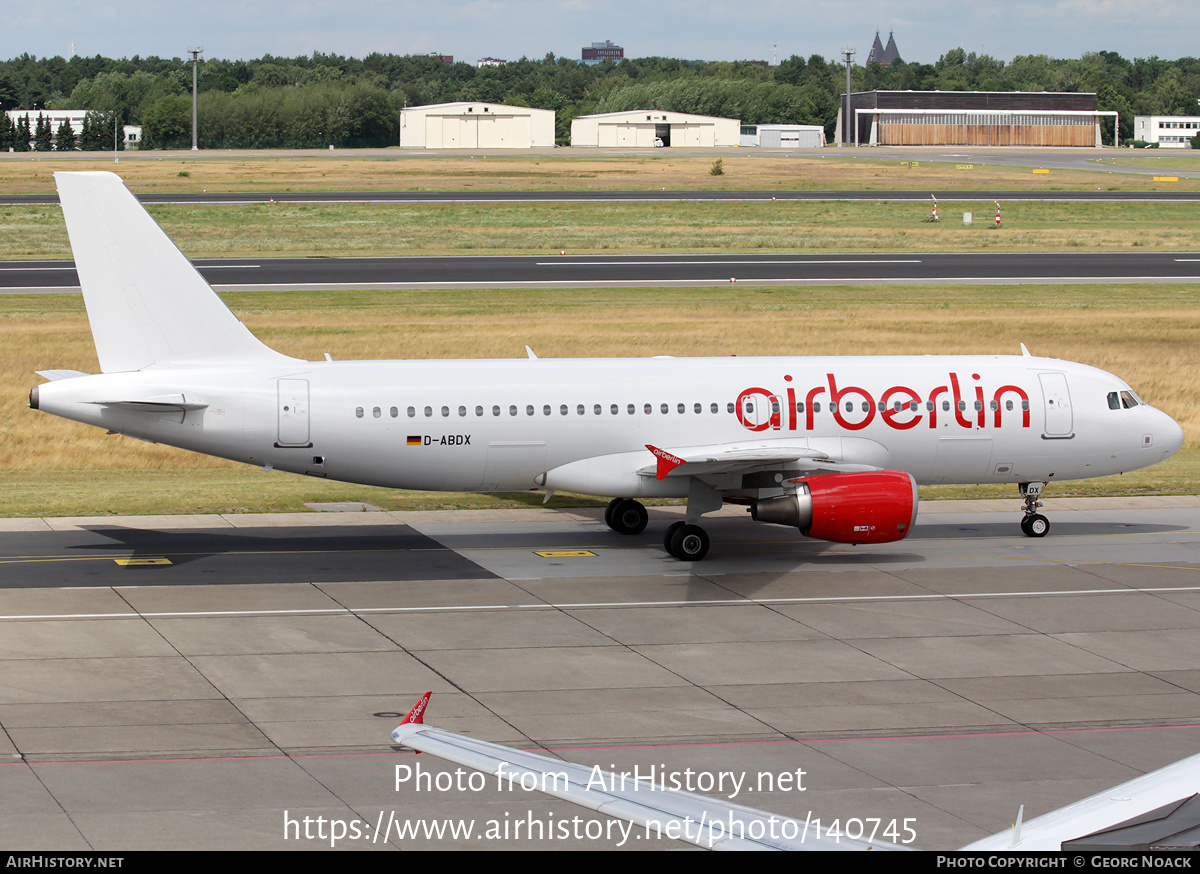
point(710, 30)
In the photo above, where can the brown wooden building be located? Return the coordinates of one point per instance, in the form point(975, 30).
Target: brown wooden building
point(972, 118)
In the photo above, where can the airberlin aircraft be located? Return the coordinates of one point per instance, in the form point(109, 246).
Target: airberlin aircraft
point(834, 447)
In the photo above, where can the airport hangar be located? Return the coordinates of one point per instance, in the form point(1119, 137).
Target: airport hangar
point(973, 118)
point(641, 129)
point(473, 125)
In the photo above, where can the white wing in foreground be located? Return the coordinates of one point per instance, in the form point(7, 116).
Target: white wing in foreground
point(1103, 811)
point(719, 825)
point(695, 819)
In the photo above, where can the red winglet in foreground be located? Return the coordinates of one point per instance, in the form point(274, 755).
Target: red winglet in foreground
point(416, 716)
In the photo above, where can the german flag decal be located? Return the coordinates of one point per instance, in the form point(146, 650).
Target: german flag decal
point(414, 440)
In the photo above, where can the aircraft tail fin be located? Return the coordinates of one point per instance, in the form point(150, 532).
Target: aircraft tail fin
point(148, 306)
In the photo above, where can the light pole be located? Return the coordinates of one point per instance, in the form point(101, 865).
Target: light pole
point(848, 119)
point(195, 53)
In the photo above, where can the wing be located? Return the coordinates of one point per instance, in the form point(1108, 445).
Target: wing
point(1103, 820)
point(737, 459)
point(696, 819)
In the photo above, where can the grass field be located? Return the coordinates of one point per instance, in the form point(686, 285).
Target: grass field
point(279, 229)
point(396, 170)
point(49, 466)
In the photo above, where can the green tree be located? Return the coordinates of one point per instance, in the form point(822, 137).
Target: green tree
point(64, 139)
point(43, 136)
point(167, 123)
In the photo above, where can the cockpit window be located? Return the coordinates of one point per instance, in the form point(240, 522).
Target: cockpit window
point(1126, 400)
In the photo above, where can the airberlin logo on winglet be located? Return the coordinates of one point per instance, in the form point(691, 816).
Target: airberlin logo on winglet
point(898, 406)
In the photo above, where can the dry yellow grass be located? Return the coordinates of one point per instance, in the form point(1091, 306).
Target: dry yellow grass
point(1155, 348)
point(395, 170)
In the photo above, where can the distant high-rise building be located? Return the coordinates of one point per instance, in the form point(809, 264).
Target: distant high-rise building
point(602, 51)
point(883, 56)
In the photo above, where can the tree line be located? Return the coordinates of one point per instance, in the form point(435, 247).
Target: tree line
point(321, 100)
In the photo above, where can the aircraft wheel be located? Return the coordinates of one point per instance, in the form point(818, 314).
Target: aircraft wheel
point(610, 510)
point(629, 517)
point(1036, 525)
point(689, 543)
point(675, 526)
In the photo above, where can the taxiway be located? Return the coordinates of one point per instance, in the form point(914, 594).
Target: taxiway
point(200, 682)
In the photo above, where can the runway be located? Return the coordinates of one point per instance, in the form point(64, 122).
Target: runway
point(579, 271)
point(213, 681)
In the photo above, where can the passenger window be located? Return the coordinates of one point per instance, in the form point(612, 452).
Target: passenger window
point(682, 408)
point(529, 409)
point(358, 411)
point(395, 412)
point(545, 410)
point(597, 409)
point(663, 409)
point(729, 407)
point(412, 411)
point(714, 406)
point(376, 412)
point(445, 411)
point(562, 410)
point(512, 410)
point(648, 408)
point(496, 410)
point(816, 406)
point(1008, 405)
point(631, 409)
point(478, 410)
point(462, 411)
point(698, 408)
point(428, 412)
point(945, 406)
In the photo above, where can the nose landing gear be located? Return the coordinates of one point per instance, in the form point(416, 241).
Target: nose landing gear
point(1034, 524)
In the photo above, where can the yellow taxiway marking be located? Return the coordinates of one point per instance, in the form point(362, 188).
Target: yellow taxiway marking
point(565, 553)
point(143, 561)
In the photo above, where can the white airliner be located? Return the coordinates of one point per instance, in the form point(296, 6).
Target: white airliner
point(832, 446)
point(1154, 811)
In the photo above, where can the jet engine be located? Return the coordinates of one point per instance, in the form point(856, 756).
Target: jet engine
point(873, 507)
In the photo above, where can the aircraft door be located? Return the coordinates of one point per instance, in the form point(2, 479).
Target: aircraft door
point(293, 412)
point(1057, 397)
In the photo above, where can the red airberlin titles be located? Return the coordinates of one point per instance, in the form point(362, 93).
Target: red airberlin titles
point(899, 406)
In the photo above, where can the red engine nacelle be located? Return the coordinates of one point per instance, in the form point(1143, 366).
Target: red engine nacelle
point(874, 507)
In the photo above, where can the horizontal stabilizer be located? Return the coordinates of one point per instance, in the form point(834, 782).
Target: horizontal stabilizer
point(147, 304)
point(56, 375)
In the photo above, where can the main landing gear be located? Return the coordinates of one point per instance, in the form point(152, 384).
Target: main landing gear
point(685, 540)
point(1034, 524)
point(626, 516)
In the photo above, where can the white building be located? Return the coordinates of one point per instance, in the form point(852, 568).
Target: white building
point(1169, 131)
point(131, 132)
point(647, 129)
point(783, 136)
point(476, 126)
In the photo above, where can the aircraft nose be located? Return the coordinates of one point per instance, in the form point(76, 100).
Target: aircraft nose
point(1168, 435)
